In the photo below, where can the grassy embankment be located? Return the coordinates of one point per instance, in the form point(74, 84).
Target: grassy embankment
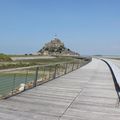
point(6, 62)
point(4, 57)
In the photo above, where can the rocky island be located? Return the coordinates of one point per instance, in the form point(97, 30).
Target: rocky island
point(56, 48)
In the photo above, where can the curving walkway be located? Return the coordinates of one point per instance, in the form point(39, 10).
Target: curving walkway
point(85, 94)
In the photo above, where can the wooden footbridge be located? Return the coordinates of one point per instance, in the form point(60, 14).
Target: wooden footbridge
point(88, 93)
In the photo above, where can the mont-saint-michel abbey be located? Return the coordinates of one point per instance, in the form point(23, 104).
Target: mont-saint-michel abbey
point(56, 47)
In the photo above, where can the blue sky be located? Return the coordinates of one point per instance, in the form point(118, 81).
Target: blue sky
point(86, 26)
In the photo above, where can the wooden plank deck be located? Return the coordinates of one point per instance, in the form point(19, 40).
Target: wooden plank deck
point(85, 94)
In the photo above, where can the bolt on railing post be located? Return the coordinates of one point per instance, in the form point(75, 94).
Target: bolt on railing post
point(55, 72)
point(66, 68)
point(36, 76)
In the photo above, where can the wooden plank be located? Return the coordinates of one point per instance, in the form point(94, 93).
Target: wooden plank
point(85, 94)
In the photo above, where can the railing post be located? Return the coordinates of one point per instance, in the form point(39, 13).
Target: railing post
point(26, 77)
point(13, 87)
point(36, 76)
point(55, 72)
point(49, 72)
point(66, 68)
point(78, 65)
point(73, 66)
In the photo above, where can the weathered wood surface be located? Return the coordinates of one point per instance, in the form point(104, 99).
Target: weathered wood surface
point(85, 94)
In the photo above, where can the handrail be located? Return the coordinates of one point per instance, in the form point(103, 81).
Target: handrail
point(17, 80)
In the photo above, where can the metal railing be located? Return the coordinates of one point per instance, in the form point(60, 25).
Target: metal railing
point(14, 81)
